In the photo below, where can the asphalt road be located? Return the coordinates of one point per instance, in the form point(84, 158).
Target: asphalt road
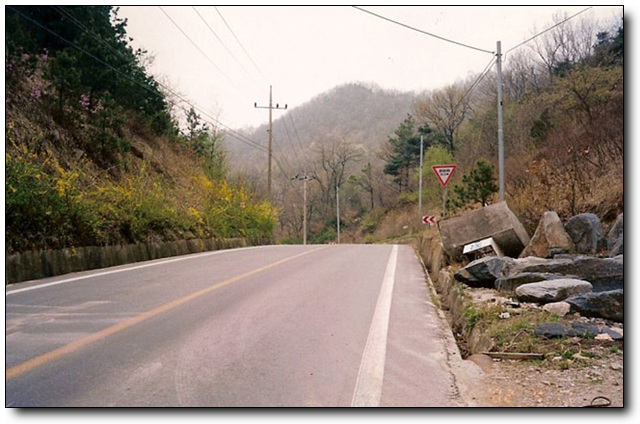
point(340, 325)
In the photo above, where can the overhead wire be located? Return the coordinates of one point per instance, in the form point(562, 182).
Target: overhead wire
point(65, 13)
point(195, 45)
point(548, 29)
point(235, 134)
point(293, 146)
point(480, 77)
point(302, 148)
point(239, 42)
point(448, 40)
point(220, 40)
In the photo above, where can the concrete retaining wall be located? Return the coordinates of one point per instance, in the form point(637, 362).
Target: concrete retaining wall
point(452, 295)
point(431, 251)
point(48, 263)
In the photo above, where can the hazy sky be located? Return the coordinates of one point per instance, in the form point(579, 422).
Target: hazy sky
point(303, 51)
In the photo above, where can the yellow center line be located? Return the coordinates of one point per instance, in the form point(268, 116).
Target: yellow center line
point(72, 347)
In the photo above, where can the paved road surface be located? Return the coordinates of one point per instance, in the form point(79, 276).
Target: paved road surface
point(341, 325)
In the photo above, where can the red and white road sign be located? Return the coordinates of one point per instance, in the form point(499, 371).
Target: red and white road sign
point(429, 220)
point(443, 172)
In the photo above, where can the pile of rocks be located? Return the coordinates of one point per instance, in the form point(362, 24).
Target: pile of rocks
point(569, 268)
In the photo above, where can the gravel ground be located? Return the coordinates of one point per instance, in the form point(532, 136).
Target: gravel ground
point(510, 383)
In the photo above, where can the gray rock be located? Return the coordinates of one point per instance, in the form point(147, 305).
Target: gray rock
point(549, 239)
point(484, 271)
point(612, 333)
point(511, 282)
point(615, 232)
point(586, 233)
point(583, 329)
point(603, 273)
point(552, 330)
point(557, 308)
point(608, 304)
point(552, 290)
point(618, 247)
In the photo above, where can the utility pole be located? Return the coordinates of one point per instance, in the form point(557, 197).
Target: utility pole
point(338, 210)
point(304, 179)
point(420, 185)
point(269, 154)
point(500, 124)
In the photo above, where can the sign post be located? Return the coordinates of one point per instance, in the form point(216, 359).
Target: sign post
point(429, 220)
point(444, 173)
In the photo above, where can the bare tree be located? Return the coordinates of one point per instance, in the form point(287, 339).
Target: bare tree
point(333, 159)
point(445, 110)
point(568, 43)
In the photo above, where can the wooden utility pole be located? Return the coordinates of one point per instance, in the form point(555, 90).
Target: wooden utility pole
point(305, 179)
point(270, 154)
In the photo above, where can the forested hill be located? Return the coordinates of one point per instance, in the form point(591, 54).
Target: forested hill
point(364, 114)
point(93, 155)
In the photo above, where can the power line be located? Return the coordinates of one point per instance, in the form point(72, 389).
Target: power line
point(220, 40)
point(423, 32)
point(195, 45)
point(293, 146)
point(295, 132)
point(484, 72)
point(549, 29)
point(239, 43)
point(239, 136)
point(82, 26)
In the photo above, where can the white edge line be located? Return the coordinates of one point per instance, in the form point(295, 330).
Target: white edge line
point(368, 389)
point(131, 268)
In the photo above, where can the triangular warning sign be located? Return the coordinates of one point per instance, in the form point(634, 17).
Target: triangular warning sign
point(443, 172)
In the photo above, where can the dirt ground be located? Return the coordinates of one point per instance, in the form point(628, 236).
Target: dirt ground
point(525, 383)
point(576, 371)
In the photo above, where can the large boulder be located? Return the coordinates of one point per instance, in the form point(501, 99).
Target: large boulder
point(550, 238)
point(615, 241)
point(552, 290)
point(603, 273)
point(483, 272)
point(607, 304)
point(586, 233)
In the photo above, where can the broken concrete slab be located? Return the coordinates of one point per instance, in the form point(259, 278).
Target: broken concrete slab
point(496, 221)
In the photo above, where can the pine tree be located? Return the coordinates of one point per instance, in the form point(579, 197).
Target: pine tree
point(478, 185)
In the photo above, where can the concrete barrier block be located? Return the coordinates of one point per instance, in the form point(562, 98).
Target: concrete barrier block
point(496, 221)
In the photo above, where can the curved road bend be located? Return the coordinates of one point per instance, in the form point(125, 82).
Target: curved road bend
point(341, 325)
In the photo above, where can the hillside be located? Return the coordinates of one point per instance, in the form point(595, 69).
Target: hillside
point(93, 156)
point(563, 112)
point(362, 113)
